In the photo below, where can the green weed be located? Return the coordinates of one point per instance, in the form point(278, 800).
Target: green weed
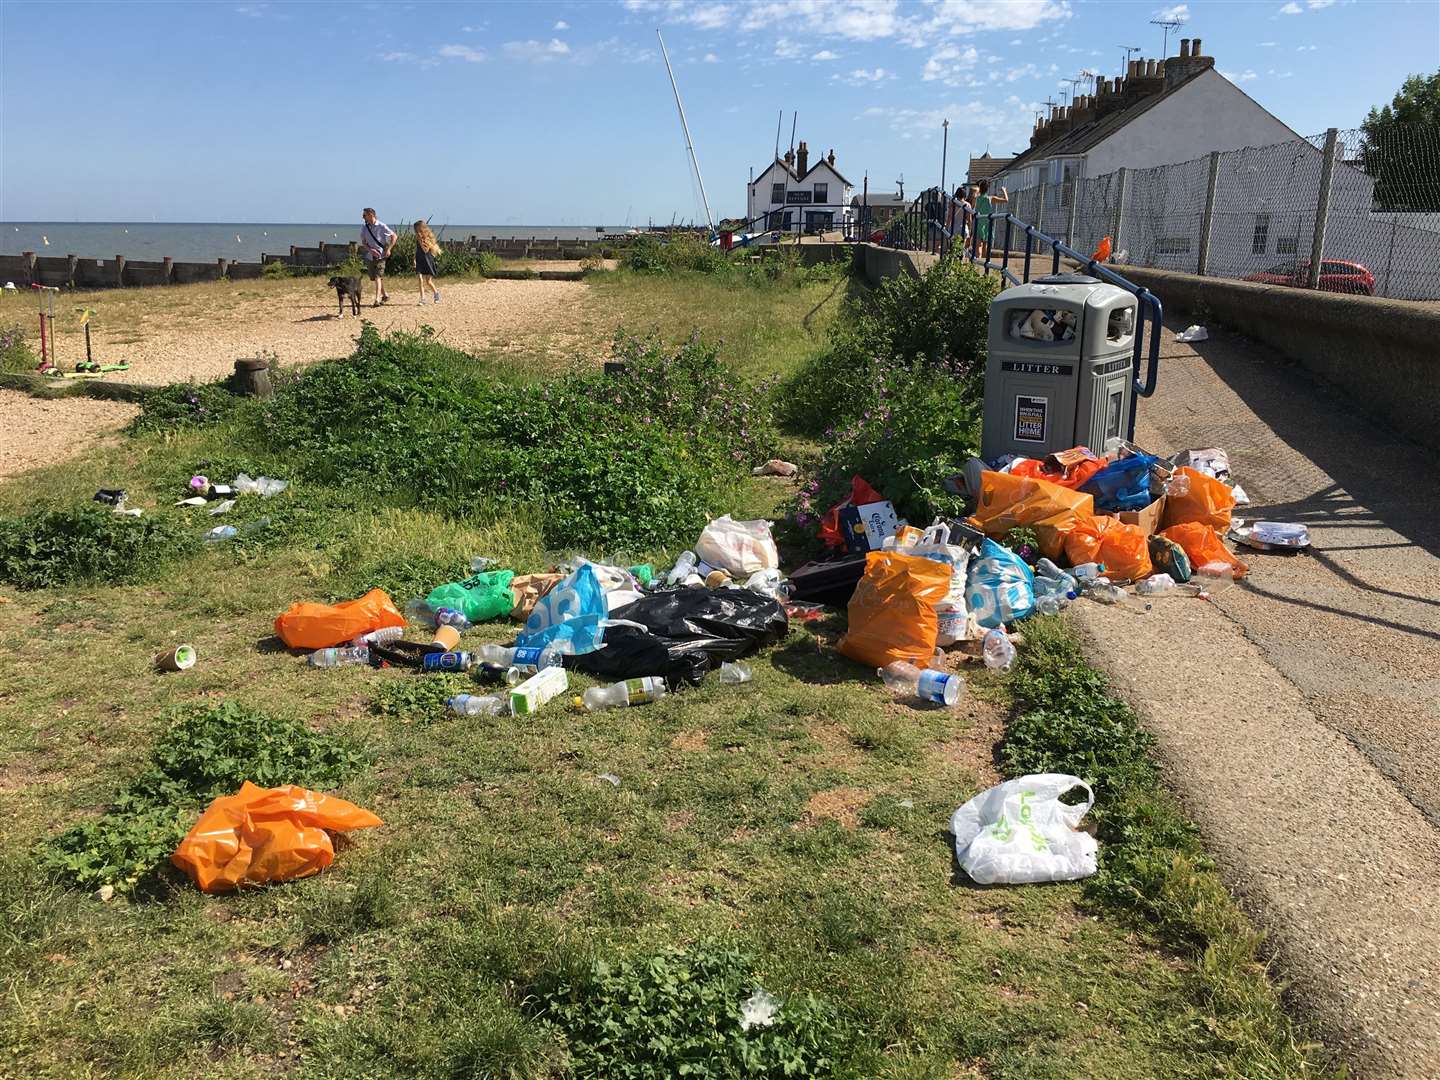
point(87, 543)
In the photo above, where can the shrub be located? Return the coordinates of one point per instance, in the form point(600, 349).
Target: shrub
point(15, 354)
point(605, 462)
point(185, 405)
point(680, 252)
point(86, 543)
point(936, 323)
point(919, 431)
point(679, 1014)
point(275, 271)
point(205, 753)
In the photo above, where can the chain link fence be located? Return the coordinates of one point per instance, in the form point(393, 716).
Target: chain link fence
point(1370, 222)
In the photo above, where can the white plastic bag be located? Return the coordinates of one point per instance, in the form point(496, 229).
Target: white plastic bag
point(1020, 832)
point(1193, 332)
point(952, 611)
point(741, 547)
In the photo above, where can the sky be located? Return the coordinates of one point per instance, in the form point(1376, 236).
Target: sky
point(561, 113)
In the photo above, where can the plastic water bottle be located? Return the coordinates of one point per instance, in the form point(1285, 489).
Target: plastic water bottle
point(1102, 591)
point(381, 636)
point(624, 694)
point(478, 705)
point(684, 567)
point(418, 611)
point(1064, 583)
point(480, 563)
point(1088, 571)
point(940, 687)
point(997, 650)
point(221, 532)
point(735, 674)
point(341, 657)
point(527, 660)
point(1157, 585)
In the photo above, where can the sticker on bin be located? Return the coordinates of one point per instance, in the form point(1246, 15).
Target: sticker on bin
point(1030, 417)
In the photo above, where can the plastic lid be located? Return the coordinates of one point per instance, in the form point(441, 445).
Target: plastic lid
point(1065, 279)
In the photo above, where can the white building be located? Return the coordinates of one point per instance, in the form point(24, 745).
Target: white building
point(793, 195)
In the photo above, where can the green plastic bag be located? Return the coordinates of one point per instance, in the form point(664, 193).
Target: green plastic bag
point(481, 598)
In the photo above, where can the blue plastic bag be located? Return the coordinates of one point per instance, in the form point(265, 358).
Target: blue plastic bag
point(1123, 484)
point(573, 610)
point(1000, 588)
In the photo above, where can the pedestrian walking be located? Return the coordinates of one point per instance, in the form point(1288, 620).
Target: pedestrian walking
point(426, 249)
point(377, 240)
point(984, 205)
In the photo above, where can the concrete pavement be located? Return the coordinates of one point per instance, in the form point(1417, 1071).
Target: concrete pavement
point(1298, 712)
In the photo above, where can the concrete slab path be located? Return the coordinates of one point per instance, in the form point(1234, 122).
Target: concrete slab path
point(1298, 713)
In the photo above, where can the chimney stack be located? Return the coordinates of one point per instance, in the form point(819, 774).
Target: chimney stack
point(1184, 48)
point(802, 158)
point(1195, 53)
point(830, 158)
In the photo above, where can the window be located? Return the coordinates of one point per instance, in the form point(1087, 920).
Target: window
point(1172, 245)
point(777, 193)
point(1260, 242)
point(822, 193)
point(1287, 245)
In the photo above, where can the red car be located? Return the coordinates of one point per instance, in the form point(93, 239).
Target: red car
point(1335, 276)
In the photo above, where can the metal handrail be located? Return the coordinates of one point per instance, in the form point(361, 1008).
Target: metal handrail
point(938, 238)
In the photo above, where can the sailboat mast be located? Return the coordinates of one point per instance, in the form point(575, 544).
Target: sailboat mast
point(685, 127)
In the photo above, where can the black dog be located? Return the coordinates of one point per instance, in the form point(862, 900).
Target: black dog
point(347, 288)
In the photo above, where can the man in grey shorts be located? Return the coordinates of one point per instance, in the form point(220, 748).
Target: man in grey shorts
point(377, 240)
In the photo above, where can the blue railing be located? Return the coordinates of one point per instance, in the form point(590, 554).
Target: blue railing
point(935, 221)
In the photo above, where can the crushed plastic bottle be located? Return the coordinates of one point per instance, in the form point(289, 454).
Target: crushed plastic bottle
point(345, 656)
point(735, 674)
point(684, 567)
point(624, 694)
point(527, 661)
point(1102, 591)
point(480, 563)
point(264, 486)
point(418, 611)
point(381, 636)
point(221, 533)
point(1087, 571)
point(478, 705)
point(927, 684)
point(1157, 585)
point(997, 650)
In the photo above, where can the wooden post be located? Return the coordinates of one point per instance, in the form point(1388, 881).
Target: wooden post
point(1207, 220)
point(1322, 208)
point(119, 270)
point(224, 265)
point(29, 257)
point(167, 270)
point(252, 377)
point(70, 269)
point(1074, 216)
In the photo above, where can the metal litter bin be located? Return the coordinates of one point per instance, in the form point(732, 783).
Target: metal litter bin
point(1059, 372)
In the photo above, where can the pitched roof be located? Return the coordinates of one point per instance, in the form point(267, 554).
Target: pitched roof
point(832, 168)
point(1093, 132)
point(888, 198)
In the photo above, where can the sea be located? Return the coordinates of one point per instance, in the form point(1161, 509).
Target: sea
point(204, 241)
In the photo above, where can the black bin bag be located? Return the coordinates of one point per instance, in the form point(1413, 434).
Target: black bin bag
point(684, 633)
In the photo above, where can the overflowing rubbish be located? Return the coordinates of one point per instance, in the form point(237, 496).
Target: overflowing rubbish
point(621, 695)
point(862, 499)
point(997, 651)
point(892, 612)
point(1194, 497)
point(318, 626)
point(937, 687)
point(1001, 588)
point(1019, 832)
point(478, 704)
point(1272, 536)
point(264, 486)
point(738, 547)
point(480, 597)
point(260, 835)
point(222, 508)
point(540, 688)
point(1203, 546)
point(347, 656)
point(732, 674)
point(447, 638)
point(951, 612)
point(180, 658)
point(1193, 333)
point(775, 467)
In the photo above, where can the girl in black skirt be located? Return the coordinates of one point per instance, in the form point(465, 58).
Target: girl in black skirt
point(426, 248)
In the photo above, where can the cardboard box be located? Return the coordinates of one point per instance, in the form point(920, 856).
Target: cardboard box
point(866, 527)
point(1148, 519)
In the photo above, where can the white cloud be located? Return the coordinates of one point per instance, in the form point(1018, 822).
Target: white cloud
point(1316, 5)
point(562, 25)
point(1292, 8)
point(825, 54)
point(399, 57)
point(1239, 76)
point(1280, 74)
point(461, 52)
point(252, 11)
point(1175, 11)
point(1267, 44)
point(859, 20)
point(1017, 41)
point(710, 58)
point(785, 49)
point(538, 52)
point(472, 29)
point(862, 77)
point(1306, 48)
point(948, 62)
point(1009, 121)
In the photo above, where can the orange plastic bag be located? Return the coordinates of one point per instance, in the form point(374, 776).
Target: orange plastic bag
point(1008, 502)
point(1124, 549)
point(318, 626)
point(1193, 496)
point(1203, 546)
point(892, 612)
point(265, 834)
point(1072, 478)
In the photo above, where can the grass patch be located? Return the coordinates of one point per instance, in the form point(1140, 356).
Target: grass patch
point(1152, 866)
point(87, 543)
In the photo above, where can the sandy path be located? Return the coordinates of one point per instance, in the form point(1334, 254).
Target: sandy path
point(34, 431)
point(196, 332)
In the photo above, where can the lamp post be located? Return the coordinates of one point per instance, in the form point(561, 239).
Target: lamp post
point(944, 152)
